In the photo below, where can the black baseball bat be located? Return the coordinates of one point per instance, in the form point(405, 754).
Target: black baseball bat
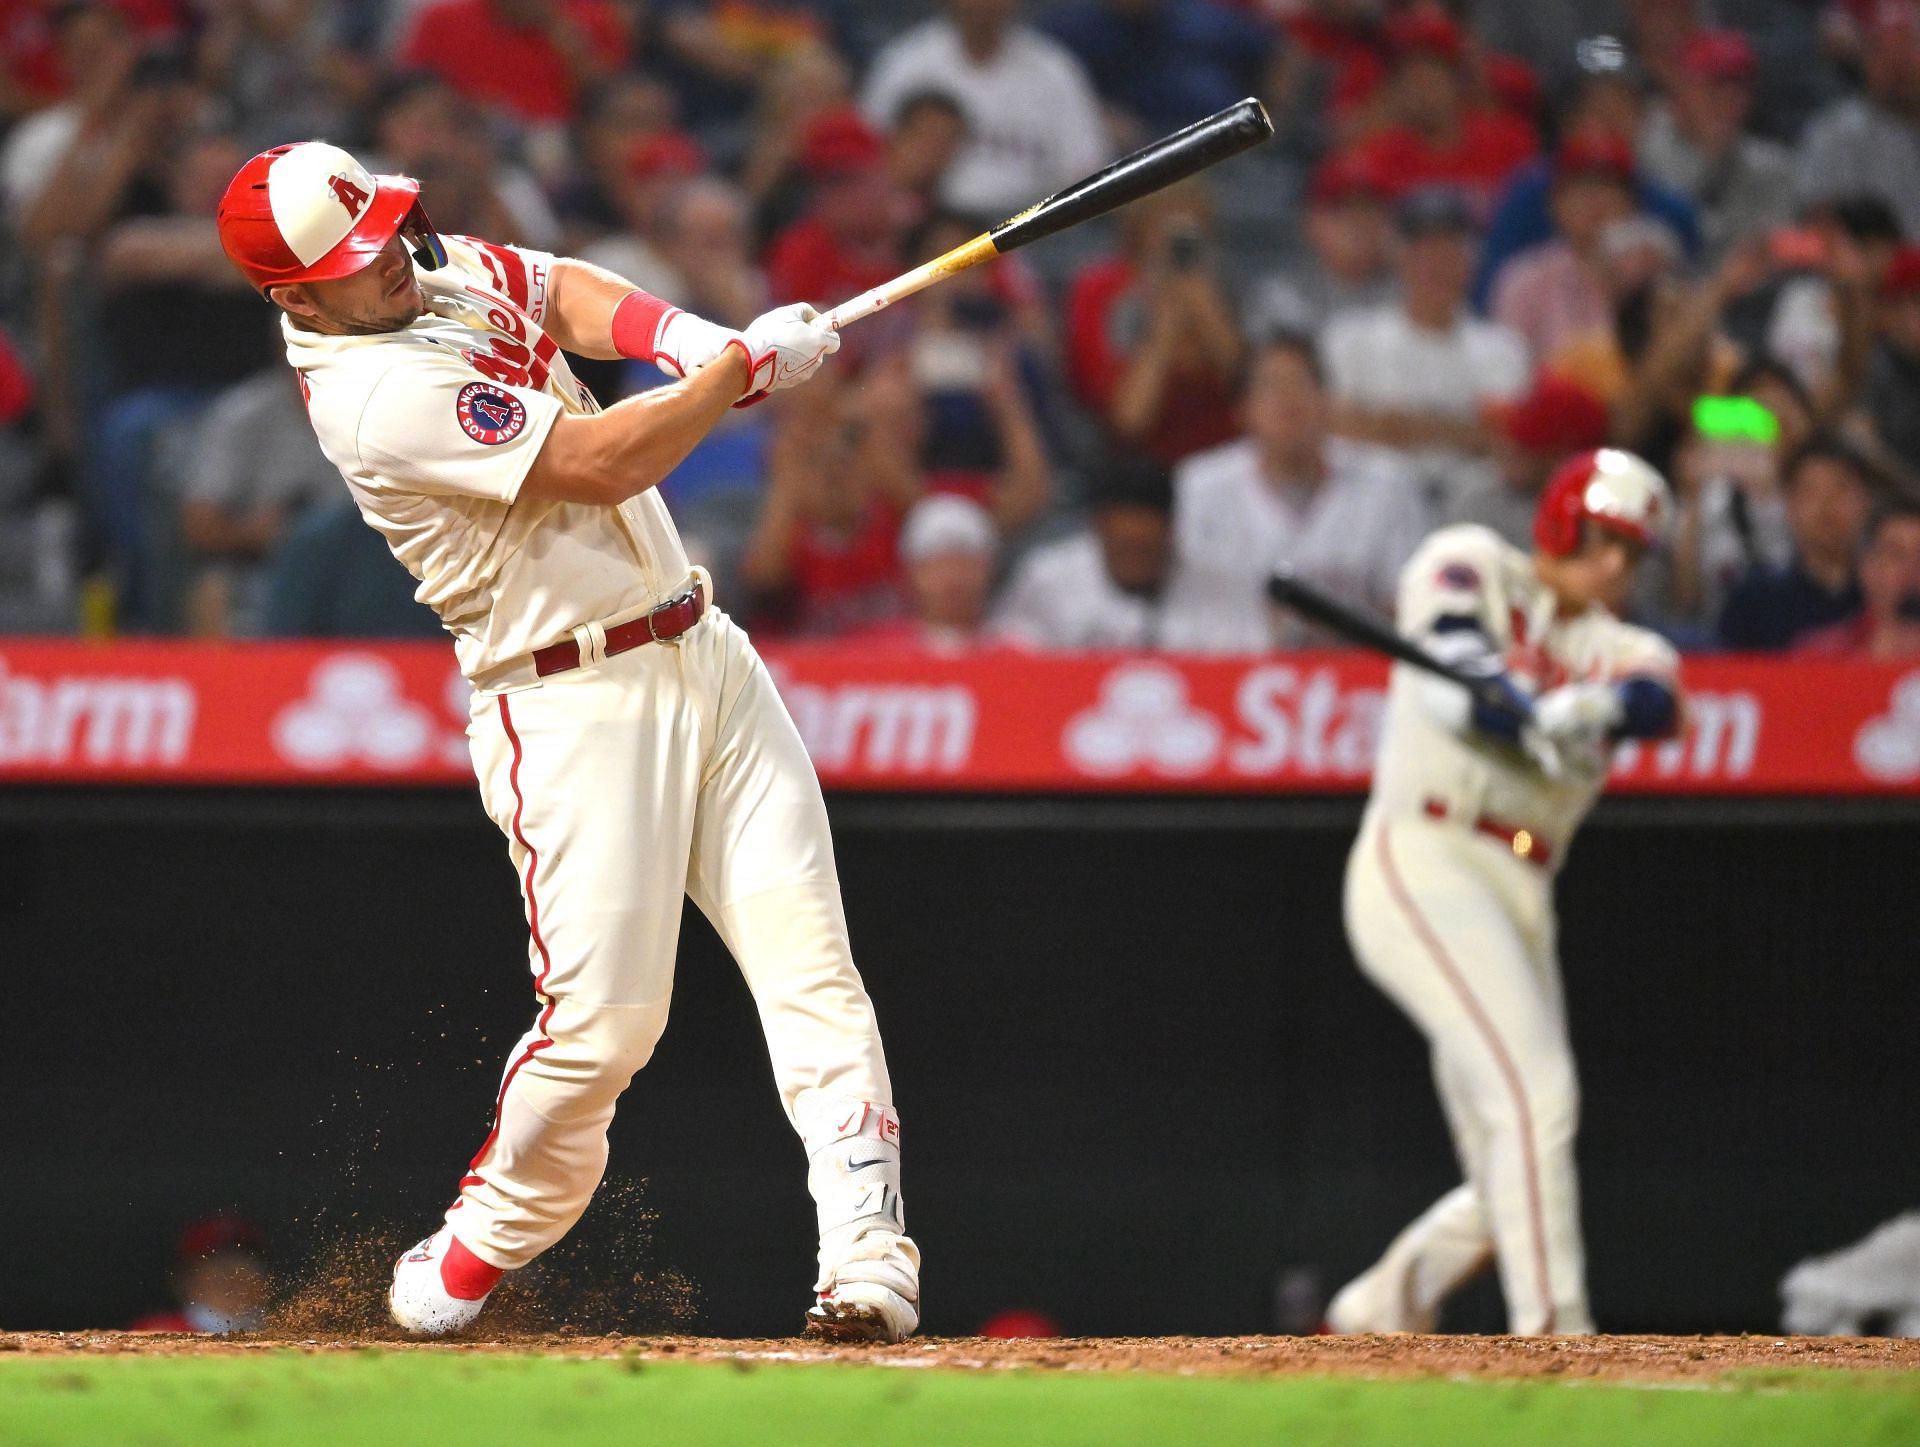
point(1357, 626)
point(1186, 152)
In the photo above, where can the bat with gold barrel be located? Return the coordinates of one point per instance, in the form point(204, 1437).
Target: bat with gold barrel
point(1239, 127)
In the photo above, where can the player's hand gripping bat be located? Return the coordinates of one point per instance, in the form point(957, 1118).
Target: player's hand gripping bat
point(1356, 626)
point(1239, 127)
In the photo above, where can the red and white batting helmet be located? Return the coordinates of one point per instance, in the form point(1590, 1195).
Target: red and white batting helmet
point(310, 212)
point(1609, 488)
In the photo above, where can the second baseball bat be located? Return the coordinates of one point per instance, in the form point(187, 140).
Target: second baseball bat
point(1186, 152)
point(1290, 591)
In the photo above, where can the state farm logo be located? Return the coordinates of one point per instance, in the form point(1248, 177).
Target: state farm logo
point(882, 728)
point(1281, 719)
point(100, 721)
point(1143, 720)
point(355, 711)
point(1888, 747)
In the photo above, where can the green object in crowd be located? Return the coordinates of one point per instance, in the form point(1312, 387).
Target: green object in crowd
point(1735, 419)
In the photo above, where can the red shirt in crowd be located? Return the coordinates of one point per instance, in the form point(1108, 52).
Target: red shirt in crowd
point(1196, 411)
point(1491, 146)
point(807, 260)
point(467, 44)
point(842, 583)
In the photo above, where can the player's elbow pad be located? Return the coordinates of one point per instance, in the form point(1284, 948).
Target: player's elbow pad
point(1649, 709)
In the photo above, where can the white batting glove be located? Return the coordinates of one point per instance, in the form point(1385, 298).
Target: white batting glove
point(1568, 736)
point(785, 347)
point(687, 343)
point(1583, 712)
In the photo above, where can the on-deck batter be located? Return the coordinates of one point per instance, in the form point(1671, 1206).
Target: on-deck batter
point(627, 738)
point(1449, 889)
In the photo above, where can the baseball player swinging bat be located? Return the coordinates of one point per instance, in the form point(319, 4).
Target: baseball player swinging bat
point(1290, 591)
point(1240, 127)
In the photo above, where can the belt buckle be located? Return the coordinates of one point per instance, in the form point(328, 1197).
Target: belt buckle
point(653, 633)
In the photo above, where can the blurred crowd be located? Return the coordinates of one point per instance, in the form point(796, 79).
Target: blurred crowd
point(1488, 234)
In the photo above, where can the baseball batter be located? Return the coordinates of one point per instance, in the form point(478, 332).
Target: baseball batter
point(627, 738)
point(1449, 889)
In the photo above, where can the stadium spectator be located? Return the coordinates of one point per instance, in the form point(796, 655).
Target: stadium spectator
point(706, 238)
point(1887, 627)
point(926, 133)
point(1814, 311)
point(1164, 63)
point(948, 547)
point(72, 172)
point(1730, 520)
point(1104, 585)
point(1340, 513)
point(219, 1280)
point(723, 58)
point(527, 59)
point(1696, 142)
point(1349, 262)
point(617, 120)
point(36, 561)
point(1869, 143)
point(1033, 121)
point(185, 324)
point(849, 238)
point(1555, 419)
point(1829, 496)
point(842, 471)
point(1607, 102)
point(1436, 133)
point(423, 128)
point(256, 468)
point(333, 577)
point(1151, 338)
point(1891, 397)
point(1556, 291)
point(977, 429)
point(636, 191)
point(1418, 375)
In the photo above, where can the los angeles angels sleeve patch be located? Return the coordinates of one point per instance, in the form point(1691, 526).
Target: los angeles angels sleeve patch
point(489, 414)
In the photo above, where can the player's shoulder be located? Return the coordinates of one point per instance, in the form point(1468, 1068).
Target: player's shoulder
point(1466, 554)
point(1633, 647)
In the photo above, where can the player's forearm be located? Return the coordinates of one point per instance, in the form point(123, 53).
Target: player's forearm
point(632, 446)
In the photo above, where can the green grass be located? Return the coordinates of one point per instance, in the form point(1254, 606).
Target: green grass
point(429, 1398)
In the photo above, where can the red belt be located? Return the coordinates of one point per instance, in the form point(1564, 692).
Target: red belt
point(1524, 843)
point(668, 621)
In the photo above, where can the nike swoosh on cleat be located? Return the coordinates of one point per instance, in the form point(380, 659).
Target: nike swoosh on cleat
point(862, 1165)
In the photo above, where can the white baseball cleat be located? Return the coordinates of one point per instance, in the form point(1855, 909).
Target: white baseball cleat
point(434, 1285)
point(872, 1295)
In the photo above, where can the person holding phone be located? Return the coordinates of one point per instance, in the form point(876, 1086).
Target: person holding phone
point(1829, 491)
point(1152, 344)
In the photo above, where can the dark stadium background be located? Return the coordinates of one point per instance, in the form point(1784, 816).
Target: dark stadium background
point(1139, 1075)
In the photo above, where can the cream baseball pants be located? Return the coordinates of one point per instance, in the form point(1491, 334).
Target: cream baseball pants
point(668, 771)
point(1459, 933)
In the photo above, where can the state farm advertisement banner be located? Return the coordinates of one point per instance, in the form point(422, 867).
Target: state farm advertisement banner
point(339, 713)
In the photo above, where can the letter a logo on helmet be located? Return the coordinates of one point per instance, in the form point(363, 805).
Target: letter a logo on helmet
point(311, 212)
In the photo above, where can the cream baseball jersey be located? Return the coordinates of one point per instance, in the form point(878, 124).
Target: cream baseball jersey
point(1471, 572)
point(434, 428)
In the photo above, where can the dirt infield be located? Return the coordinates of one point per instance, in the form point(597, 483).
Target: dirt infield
point(1613, 1358)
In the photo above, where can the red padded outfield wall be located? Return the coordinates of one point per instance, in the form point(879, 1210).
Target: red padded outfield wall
point(998, 721)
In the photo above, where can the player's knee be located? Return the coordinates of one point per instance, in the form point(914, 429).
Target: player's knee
point(601, 1047)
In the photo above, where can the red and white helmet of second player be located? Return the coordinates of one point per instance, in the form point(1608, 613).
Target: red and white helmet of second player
point(1610, 488)
point(311, 212)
